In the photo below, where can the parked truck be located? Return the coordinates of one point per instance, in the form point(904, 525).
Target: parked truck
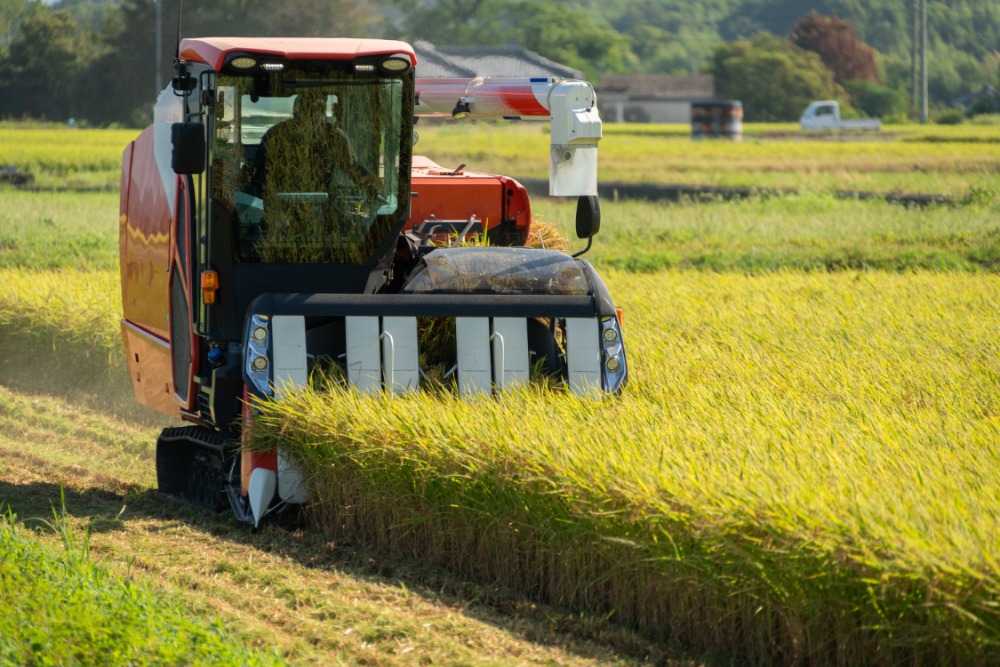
point(259, 249)
point(825, 115)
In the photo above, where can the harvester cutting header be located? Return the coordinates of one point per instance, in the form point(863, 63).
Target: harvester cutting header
point(275, 223)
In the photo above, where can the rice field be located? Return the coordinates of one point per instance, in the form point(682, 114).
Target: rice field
point(58, 156)
point(804, 469)
point(812, 441)
point(57, 230)
point(807, 232)
point(955, 161)
point(65, 307)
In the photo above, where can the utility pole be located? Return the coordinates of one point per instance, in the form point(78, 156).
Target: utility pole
point(923, 62)
point(914, 54)
point(159, 47)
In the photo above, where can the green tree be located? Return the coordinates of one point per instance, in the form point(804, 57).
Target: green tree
point(559, 31)
point(773, 78)
point(881, 23)
point(569, 36)
point(657, 50)
point(12, 13)
point(878, 100)
point(125, 72)
point(452, 22)
point(671, 38)
point(987, 104)
point(89, 14)
point(40, 77)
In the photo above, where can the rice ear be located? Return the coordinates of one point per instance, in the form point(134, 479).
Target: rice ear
point(546, 235)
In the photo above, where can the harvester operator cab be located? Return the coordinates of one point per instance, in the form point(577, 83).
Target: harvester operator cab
point(306, 167)
point(301, 163)
point(311, 133)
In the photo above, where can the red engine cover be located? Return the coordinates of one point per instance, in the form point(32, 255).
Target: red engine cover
point(450, 194)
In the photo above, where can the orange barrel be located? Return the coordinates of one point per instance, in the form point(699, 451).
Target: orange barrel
point(717, 119)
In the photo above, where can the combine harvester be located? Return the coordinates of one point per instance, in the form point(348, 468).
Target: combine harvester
point(274, 223)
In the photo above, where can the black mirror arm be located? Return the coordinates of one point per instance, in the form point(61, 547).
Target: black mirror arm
point(590, 241)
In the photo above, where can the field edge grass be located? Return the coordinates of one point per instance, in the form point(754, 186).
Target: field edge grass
point(64, 608)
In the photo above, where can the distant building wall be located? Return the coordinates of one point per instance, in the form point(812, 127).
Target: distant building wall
point(652, 98)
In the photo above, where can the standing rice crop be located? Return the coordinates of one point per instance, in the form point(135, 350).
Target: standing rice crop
point(803, 470)
point(59, 156)
point(72, 313)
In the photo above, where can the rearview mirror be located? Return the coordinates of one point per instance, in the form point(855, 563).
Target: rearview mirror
point(188, 142)
point(588, 216)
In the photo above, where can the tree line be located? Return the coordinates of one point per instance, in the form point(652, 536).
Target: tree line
point(95, 60)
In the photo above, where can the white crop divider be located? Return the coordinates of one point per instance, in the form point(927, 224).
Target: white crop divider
point(364, 362)
point(291, 480)
point(510, 361)
point(473, 340)
point(288, 344)
point(583, 355)
point(400, 356)
point(291, 370)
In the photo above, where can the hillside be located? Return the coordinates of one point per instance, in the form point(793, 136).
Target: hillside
point(675, 36)
point(972, 26)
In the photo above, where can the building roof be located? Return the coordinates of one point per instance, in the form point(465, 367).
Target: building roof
point(659, 86)
point(498, 61)
point(967, 100)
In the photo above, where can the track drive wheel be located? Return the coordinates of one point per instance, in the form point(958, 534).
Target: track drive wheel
point(191, 466)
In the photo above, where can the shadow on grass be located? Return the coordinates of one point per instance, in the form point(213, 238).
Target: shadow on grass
point(289, 536)
point(85, 378)
point(74, 373)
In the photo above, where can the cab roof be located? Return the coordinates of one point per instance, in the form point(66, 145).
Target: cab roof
point(213, 50)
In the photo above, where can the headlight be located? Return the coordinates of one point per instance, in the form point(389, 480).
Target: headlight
point(396, 64)
point(257, 355)
point(613, 353)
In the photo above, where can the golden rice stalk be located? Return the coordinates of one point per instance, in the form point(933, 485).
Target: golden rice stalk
point(546, 235)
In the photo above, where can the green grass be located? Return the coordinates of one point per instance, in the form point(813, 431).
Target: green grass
point(62, 608)
point(805, 232)
point(58, 229)
point(808, 232)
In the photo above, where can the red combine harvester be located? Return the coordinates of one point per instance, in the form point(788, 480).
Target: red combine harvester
point(275, 222)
